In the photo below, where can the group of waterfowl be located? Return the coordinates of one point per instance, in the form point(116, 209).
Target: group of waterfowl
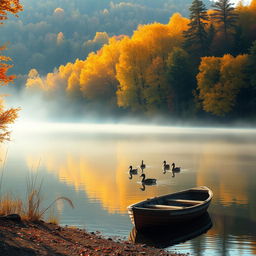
point(166, 167)
point(150, 181)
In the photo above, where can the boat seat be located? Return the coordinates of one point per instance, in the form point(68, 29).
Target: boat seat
point(184, 201)
point(163, 206)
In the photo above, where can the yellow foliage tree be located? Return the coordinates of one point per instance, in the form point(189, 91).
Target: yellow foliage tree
point(156, 93)
point(93, 78)
point(131, 69)
point(219, 82)
point(139, 53)
point(6, 116)
point(98, 76)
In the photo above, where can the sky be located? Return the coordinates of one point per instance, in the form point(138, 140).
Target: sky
point(245, 1)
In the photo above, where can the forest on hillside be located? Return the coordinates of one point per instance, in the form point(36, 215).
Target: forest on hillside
point(203, 66)
point(34, 38)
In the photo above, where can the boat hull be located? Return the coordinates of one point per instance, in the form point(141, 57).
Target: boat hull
point(145, 218)
point(166, 236)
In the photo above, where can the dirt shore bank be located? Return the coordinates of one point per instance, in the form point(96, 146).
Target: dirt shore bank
point(29, 239)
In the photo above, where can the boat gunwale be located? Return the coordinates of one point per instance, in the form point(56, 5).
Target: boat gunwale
point(202, 188)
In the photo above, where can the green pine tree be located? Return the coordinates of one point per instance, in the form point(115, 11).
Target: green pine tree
point(181, 77)
point(196, 38)
point(224, 14)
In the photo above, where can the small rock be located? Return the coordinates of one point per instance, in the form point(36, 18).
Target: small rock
point(13, 217)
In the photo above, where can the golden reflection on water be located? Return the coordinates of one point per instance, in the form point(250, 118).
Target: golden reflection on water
point(223, 174)
point(99, 168)
point(100, 177)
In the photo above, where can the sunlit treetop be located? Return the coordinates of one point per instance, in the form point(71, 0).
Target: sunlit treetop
point(9, 6)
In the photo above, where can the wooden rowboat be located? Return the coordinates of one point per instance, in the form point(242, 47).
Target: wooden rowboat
point(170, 209)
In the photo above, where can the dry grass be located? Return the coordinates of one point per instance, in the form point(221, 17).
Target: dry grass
point(9, 205)
point(34, 199)
point(32, 210)
point(53, 217)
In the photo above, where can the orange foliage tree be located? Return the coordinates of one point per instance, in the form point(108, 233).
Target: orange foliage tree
point(219, 82)
point(6, 116)
point(126, 71)
point(142, 64)
point(98, 76)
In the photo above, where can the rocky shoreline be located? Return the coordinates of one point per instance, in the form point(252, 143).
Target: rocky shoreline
point(23, 238)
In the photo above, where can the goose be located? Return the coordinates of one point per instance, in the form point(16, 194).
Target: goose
point(133, 171)
point(166, 166)
point(142, 166)
point(175, 169)
point(147, 181)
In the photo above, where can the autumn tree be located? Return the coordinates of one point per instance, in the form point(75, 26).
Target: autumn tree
point(97, 80)
point(142, 64)
point(133, 62)
point(6, 116)
point(196, 38)
point(219, 82)
point(157, 92)
point(85, 83)
point(9, 6)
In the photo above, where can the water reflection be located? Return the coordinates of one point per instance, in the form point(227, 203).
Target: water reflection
point(143, 186)
point(172, 235)
point(142, 166)
point(94, 167)
point(215, 164)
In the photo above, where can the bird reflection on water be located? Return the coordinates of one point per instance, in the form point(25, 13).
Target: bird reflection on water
point(143, 188)
point(142, 166)
point(173, 234)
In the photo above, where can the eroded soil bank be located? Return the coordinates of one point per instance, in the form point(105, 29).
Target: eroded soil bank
point(28, 238)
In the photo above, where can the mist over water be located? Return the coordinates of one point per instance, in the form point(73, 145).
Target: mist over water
point(81, 142)
point(89, 164)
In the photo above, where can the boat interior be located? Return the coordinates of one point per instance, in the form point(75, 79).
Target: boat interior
point(178, 201)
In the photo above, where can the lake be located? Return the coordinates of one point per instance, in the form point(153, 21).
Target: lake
point(89, 164)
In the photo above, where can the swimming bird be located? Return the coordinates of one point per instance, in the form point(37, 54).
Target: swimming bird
point(175, 169)
point(133, 171)
point(166, 166)
point(142, 166)
point(147, 181)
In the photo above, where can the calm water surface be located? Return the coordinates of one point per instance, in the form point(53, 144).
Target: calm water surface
point(89, 164)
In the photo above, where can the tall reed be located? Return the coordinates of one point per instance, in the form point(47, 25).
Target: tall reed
point(32, 209)
point(8, 203)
